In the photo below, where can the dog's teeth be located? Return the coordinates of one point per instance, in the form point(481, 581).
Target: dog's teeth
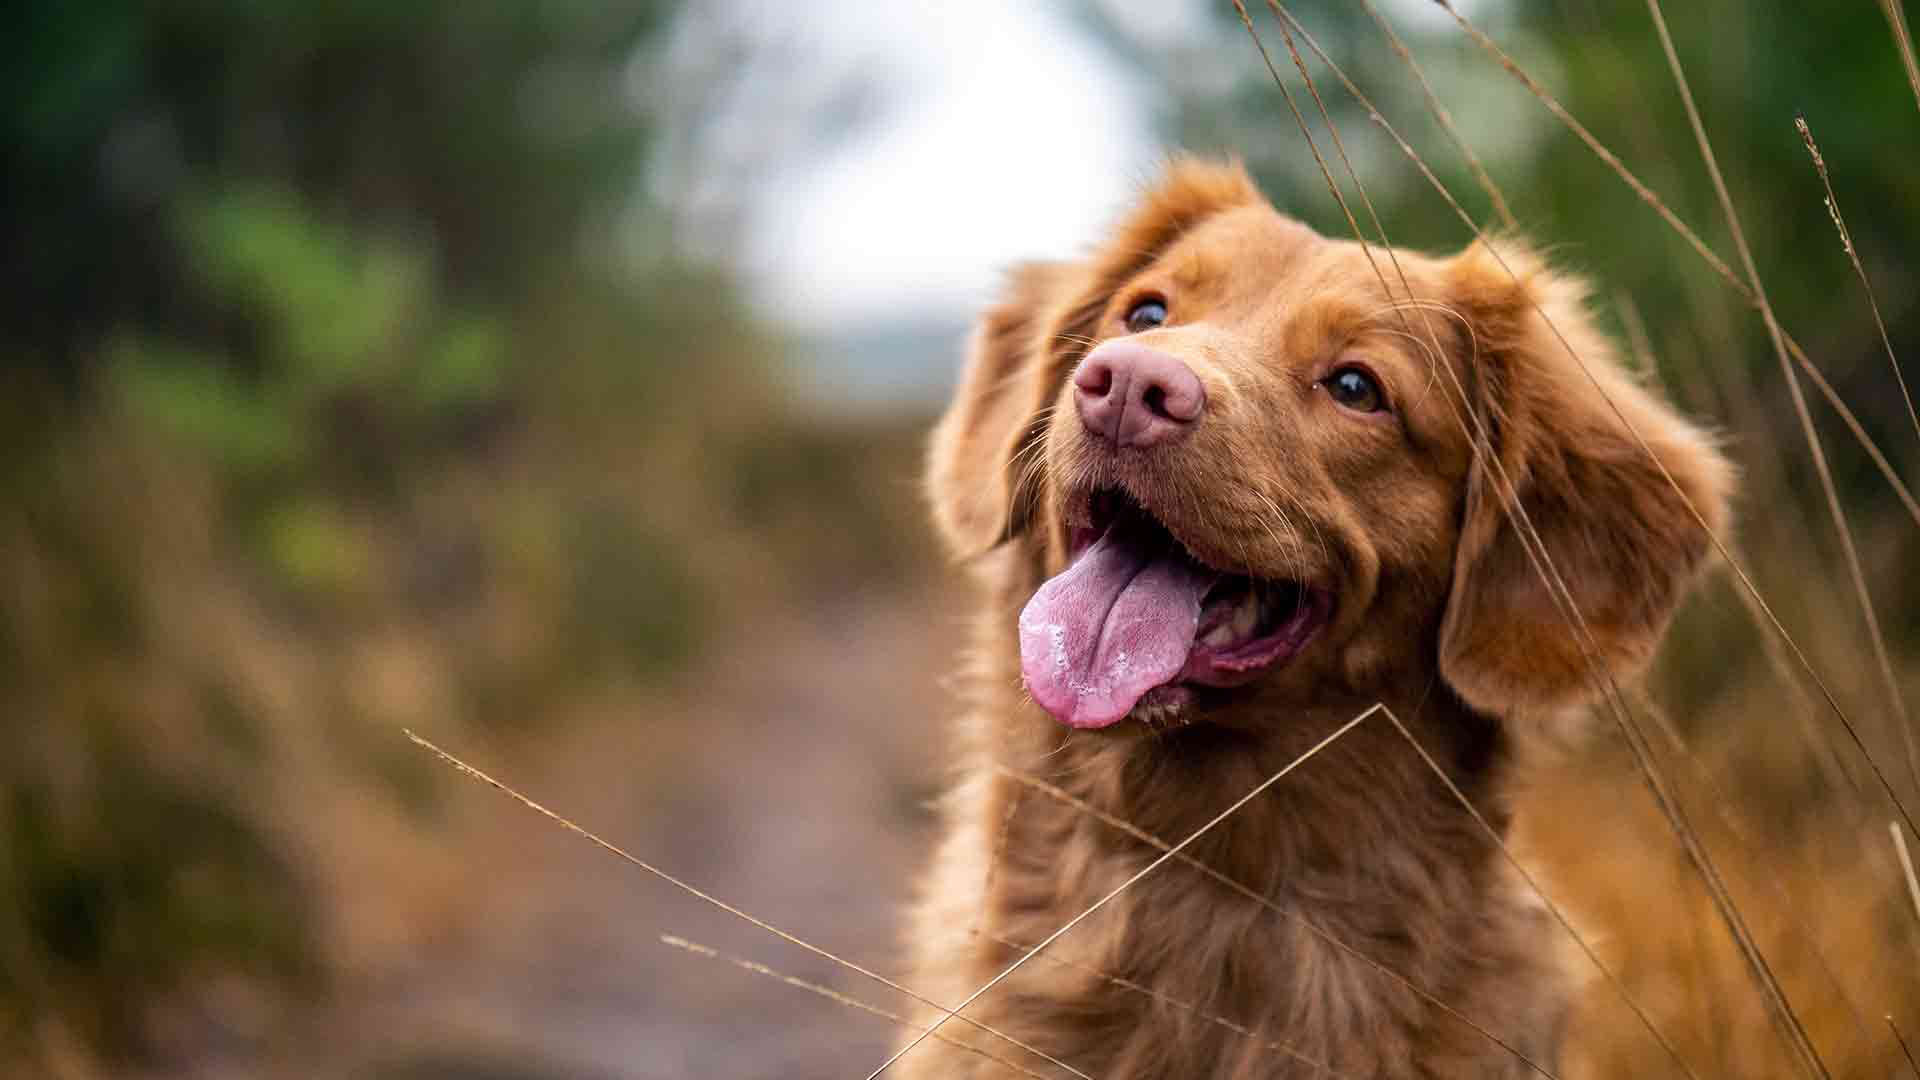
point(1246, 617)
point(1238, 624)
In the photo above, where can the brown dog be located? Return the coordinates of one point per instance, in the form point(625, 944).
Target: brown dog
point(1220, 484)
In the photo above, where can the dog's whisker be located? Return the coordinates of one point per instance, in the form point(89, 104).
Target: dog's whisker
point(1093, 761)
point(1034, 448)
point(1064, 740)
point(1429, 304)
point(1319, 535)
point(1432, 365)
point(1138, 875)
point(1286, 523)
point(476, 774)
point(1293, 555)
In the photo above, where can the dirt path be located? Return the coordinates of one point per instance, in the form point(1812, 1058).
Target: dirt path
point(790, 778)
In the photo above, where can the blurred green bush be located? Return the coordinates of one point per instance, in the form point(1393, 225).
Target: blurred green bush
point(343, 393)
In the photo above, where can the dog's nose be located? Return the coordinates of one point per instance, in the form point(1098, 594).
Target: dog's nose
point(1131, 395)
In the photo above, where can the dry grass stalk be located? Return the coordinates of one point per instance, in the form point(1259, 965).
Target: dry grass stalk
point(1873, 305)
point(1903, 41)
point(1854, 570)
point(1852, 422)
point(1444, 118)
point(1642, 347)
point(1559, 915)
point(476, 774)
point(1599, 148)
point(1766, 868)
point(1308, 755)
point(1786, 1015)
point(1906, 864)
point(1904, 1048)
point(833, 995)
point(1853, 256)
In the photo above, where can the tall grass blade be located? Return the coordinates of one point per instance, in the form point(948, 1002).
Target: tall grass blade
point(474, 773)
point(1860, 271)
point(1444, 118)
point(1906, 864)
point(1903, 41)
point(832, 995)
point(1838, 513)
point(1905, 1050)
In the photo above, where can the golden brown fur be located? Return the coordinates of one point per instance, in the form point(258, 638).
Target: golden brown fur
point(1440, 615)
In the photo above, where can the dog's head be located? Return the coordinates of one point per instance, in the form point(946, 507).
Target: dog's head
point(1254, 470)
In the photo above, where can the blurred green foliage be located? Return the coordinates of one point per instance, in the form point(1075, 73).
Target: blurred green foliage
point(355, 363)
point(123, 896)
point(497, 134)
point(327, 324)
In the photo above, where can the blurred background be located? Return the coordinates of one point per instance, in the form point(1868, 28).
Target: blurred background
point(550, 377)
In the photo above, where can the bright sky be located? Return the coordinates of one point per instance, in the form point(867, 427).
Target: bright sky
point(1010, 136)
point(1004, 132)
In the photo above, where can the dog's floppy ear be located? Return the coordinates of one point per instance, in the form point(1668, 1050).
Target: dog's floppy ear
point(1024, 346)
point(1620, 535)
point(995, 411)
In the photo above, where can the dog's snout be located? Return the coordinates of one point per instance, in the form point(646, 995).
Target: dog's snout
point(1131, 395)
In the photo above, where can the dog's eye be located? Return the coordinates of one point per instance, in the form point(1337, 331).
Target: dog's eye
point(1355, 389)
point(1146, 315)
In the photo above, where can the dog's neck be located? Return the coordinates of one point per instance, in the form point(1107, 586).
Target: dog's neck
point(1370, 790)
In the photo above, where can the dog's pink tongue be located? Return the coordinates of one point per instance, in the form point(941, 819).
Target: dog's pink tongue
point(1115, 624)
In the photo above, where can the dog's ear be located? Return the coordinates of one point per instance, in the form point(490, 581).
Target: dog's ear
point(996, 411)
point(1622, 538)
point(1026, 344)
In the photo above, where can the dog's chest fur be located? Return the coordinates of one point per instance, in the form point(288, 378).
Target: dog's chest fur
point(1357, 862)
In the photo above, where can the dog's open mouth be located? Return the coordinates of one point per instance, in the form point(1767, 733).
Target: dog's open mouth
point(1135, 617)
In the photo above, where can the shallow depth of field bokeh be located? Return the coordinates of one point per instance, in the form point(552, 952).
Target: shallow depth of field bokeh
point(549, 379)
